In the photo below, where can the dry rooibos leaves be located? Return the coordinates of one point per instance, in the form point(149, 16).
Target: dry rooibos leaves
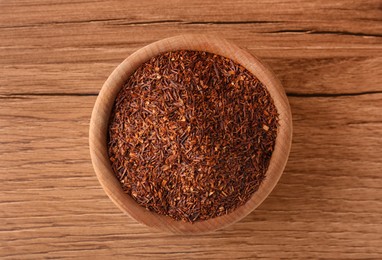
point(191, 135)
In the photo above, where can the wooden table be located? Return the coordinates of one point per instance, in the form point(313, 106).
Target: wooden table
point(54, 58)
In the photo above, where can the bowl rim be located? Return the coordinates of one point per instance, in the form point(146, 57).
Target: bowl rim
point(105, 100)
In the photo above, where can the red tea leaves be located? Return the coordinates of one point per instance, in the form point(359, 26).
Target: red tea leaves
point(191, 135)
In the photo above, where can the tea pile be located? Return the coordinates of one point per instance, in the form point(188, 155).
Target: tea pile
point(191, 135)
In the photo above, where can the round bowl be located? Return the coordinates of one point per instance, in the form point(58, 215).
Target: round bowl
point(100, 119)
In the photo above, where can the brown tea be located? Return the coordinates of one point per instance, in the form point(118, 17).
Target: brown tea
point(191, 135)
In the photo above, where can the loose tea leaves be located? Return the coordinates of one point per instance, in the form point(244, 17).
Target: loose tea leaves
point(191, 135)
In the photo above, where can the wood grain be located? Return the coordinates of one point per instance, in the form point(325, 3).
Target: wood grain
point(54, 58)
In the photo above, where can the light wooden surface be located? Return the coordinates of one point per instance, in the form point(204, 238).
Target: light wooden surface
point(101, 116)
point(54, 58)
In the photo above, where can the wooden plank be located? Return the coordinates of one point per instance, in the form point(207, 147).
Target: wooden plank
point(329, 195)
point(351, 16)
point(266, 35)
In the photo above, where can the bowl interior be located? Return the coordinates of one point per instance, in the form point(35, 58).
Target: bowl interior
point(102, 109)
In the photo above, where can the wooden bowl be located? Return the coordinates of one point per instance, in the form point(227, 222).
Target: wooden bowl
point(100, 119)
